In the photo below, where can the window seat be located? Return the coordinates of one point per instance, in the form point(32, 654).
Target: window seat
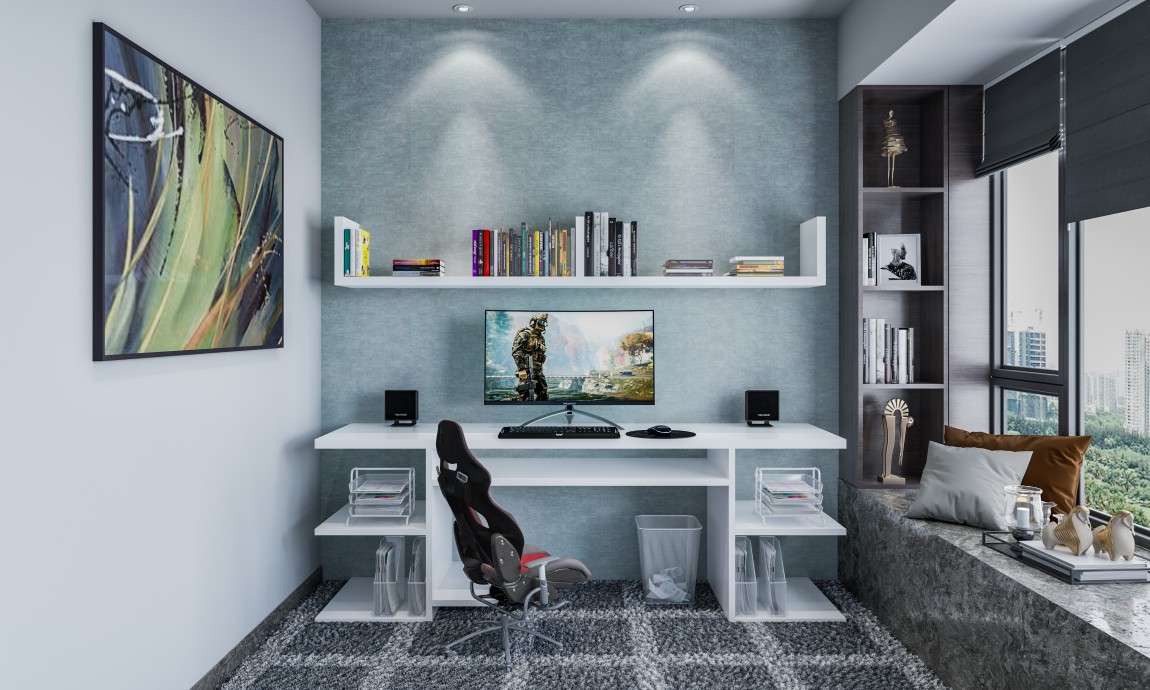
point(979, 618)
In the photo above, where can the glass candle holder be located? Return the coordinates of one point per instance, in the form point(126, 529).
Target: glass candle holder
point(1023, 510)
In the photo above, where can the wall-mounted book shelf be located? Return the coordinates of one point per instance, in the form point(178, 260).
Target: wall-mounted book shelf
point(812, 273)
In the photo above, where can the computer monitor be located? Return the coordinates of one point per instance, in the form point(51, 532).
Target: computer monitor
point(569, 357)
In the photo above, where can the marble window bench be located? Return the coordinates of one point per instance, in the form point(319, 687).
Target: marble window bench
point(979, 618)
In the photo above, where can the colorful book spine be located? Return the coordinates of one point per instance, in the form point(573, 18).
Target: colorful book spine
point(364, 253)
point(347, 260)
point(475, 253)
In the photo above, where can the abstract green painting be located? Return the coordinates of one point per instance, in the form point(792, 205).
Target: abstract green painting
point(188, 208)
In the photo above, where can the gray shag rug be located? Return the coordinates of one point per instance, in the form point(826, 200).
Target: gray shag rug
point(612, 640)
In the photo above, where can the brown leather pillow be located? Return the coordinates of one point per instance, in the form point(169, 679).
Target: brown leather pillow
point(1054, 467)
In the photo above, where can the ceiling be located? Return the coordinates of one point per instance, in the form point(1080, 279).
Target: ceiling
point(579, 9)
point(967, 42)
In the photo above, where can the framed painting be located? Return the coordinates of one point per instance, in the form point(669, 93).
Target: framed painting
point(902, 256)
point(188, 214)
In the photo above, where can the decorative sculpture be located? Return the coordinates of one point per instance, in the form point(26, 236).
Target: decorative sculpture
point(893, 144)
point(1117, 536)
point(895, 417)
point(1073, 532)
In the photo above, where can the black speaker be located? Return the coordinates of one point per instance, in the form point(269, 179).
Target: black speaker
point(762, 407)
point(401, 408)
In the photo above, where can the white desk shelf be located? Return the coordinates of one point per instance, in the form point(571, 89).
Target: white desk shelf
point(353, 603)
point(812, 273)
point(337, 525)
point(705, 460)
point(749, 524)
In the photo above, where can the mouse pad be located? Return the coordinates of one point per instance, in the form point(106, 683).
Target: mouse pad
point(675, 433)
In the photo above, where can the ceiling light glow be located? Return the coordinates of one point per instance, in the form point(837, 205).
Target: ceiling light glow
point(688, 8)
point(462, 8)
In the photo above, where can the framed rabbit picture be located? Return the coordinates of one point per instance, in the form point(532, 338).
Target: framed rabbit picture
point(899, 260)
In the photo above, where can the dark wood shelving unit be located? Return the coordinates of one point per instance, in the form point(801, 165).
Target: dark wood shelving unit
point(929, 119)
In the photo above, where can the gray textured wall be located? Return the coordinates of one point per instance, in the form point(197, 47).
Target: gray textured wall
point(718, 137)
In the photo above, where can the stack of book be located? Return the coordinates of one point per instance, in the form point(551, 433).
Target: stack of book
point(610, 247)
point(756, 266)
point(356, 249)
point(689, 267)
point(414, 268)
point(888, 353)
point(523, 252)
point(1088, 568)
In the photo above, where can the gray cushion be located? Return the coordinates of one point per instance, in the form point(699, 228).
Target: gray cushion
point(965, 485)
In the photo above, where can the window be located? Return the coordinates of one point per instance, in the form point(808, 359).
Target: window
point(1030, 242)
point(1030, 413)
point(1030, 296)
point(1116, 362)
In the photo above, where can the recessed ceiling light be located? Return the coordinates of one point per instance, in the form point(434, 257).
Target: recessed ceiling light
point(463, 8)
point(688, 8)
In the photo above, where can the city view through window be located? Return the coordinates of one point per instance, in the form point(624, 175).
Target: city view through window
point(1116, 362)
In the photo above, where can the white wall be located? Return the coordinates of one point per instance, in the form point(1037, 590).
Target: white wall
point(152, 511)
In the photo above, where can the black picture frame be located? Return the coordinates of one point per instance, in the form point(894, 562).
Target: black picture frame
point(188, 217)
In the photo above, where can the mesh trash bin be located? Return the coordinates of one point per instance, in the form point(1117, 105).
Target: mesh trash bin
point(668, 555)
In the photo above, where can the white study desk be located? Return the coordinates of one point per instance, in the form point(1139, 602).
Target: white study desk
point(715, 470)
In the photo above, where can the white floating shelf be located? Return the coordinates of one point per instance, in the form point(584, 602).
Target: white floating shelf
point(805, 603)
point(337, 524)
point(354, 602)
point(812, 273)
point(749, 524)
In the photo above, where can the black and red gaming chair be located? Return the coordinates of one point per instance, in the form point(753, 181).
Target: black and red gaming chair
point(490, 544)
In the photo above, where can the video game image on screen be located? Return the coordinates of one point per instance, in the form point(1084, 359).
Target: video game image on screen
point(596, 357)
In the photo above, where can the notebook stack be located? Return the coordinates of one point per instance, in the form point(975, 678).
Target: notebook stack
point(756, 266)
point(689, 267)
point(416, 268)
point(1088, 568)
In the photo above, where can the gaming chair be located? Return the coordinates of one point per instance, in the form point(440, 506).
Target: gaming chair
point(490, 545)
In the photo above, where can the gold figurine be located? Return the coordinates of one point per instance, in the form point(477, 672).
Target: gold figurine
point(894, 408)
point(892, 145)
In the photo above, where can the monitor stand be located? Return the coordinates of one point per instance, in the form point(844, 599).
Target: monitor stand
point(569, 411)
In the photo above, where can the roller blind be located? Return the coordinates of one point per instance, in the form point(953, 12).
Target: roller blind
point(1108, 118)
point(1021, 115)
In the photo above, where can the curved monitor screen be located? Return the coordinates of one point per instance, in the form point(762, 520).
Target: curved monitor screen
point(585, 357)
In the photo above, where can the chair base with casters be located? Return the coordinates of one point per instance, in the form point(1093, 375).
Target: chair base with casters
point(492, 550)
point(507, 614)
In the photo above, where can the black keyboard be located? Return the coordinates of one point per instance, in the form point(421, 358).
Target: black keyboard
point(559, 432)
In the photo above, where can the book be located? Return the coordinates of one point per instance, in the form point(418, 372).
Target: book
point(604, 231)
point(588, 243)
point(1062, 558)
point(363, 253)
point(347, 242)
point(634, 248)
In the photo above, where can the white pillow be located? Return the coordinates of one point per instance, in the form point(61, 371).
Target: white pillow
point(966, 485)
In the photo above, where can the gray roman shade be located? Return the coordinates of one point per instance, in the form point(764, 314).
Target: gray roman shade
point(1108, 118)
point(1021, 115)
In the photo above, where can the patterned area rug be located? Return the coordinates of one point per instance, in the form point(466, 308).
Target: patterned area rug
point(612, 640)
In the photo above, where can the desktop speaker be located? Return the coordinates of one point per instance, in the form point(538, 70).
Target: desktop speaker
point(762, 407)
point(401, 408)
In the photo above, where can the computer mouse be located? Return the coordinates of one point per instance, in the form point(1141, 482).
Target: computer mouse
point(659, 430)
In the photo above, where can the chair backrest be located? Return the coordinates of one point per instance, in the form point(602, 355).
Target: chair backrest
point(466, 484)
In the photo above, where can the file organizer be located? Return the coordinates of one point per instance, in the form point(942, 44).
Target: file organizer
point(772, 581)
point(417, 580)
point(788, 491)
point(390, 586)
point(746, 584)
point(381, 492)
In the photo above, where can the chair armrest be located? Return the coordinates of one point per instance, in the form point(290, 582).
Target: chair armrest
point(544, 594)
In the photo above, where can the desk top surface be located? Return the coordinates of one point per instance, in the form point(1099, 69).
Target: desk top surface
point(485, 435)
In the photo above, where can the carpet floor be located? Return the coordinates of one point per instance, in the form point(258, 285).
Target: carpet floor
point(612, 641)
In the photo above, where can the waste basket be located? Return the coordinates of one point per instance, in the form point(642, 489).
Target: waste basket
point(668, 555)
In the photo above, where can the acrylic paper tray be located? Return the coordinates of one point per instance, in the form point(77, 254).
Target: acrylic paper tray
point(380, 480)
point(376, 510)
point(788, 491)
point(379, 499)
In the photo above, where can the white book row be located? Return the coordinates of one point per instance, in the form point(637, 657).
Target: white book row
point(888, 352)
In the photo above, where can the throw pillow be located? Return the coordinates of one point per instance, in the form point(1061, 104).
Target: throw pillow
point(1054, 468)
point(965, 485)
